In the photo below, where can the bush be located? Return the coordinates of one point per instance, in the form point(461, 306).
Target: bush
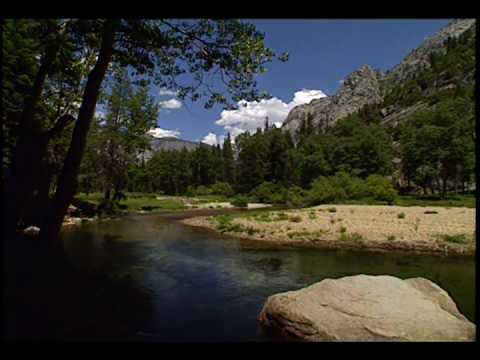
point(190, 192)
point(381, 188)
point(321, 192)
point(239, 201)
point(221, 188)
point(203, 190)
point(295, 196)
point(268, 192)
point(347, 186)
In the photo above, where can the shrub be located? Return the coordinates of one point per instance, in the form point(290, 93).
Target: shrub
point(351, 187)
point(222, 188)
point(239, 201)
point(336, 188)
point(190, 192)
point(401, 215)
point(268, 192)
point(321, 192)
point(350, 237)
point(295, 196)
point(332, 209)
point(456, 239)
point(381, 188)
point(343, 229)
point(203, 190)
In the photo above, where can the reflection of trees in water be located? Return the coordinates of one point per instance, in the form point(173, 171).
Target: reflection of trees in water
point(49, 300)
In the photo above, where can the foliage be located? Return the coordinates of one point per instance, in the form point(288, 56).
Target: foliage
point(239, 201)
point(456, 239)
point(222, 188)
point(381, 188)
point(268, 192)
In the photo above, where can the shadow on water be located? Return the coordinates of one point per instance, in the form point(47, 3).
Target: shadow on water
point(150, 278)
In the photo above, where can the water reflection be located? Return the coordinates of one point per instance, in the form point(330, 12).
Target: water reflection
point(194, 285)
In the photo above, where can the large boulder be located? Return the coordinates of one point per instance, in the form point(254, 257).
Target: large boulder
point(367, 308)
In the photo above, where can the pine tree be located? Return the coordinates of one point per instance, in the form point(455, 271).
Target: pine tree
point(228, 161)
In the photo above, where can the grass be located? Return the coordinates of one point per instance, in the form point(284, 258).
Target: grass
point(391, 237)
point(343, 229)
point(144, 203)
point(138, 201)
point(350, 237)
point(307, 234)
point(332, 209)
point(224, 223)
point(458, 200)
point(203, 199)
point(298, 234)
point(455, 239)
point(453, 200)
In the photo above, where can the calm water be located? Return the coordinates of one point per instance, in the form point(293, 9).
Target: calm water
point(193, 285)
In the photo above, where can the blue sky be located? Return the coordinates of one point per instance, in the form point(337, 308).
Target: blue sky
point(322, 53)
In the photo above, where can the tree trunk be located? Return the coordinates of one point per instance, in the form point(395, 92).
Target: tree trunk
point(68, 182)
point(29, 150)
point(444, 187)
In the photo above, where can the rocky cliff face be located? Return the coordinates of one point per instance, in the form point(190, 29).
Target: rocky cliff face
point(367, 86)
point(360, 88)
point(169, 143)
point(419, 57)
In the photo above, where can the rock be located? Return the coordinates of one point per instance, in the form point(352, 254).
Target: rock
point(73, 211)
point(419, 57)
point(68, 221)
point(367, 308)
point(31, 230)
point(360, 88)
point(367, 86)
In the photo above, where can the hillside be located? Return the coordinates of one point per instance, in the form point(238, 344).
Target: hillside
point(441, 64)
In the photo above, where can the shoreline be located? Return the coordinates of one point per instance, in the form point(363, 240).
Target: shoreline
point(373, 224)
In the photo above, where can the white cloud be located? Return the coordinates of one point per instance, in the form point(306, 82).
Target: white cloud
point(165, 92)
point(170, 104)
point(210, 139)
point(305, 96)
point(160, 133)
point(251, 115)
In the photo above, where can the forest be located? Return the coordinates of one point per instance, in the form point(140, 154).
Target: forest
point(51, 125)
point(431, 153)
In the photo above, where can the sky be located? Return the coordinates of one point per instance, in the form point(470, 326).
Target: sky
point(321, 54)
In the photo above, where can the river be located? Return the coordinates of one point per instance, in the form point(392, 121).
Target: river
point(171, 282)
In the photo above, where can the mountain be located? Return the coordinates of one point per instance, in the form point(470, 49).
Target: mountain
point(425, 72)
point(172, 143)
point(420, 57)
point(360, 88)
point(169, 143)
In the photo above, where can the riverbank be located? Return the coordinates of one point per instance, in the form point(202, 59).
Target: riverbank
point(432, 230)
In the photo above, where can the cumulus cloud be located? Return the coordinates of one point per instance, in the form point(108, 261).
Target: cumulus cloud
point(170, 104)
point(211, 139)
point(166, 92)
point(251, 115)
point(160, 133)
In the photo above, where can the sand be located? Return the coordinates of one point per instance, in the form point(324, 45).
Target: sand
point(375, 228)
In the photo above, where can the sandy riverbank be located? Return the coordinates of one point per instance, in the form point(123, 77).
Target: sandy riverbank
point(435, 230)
